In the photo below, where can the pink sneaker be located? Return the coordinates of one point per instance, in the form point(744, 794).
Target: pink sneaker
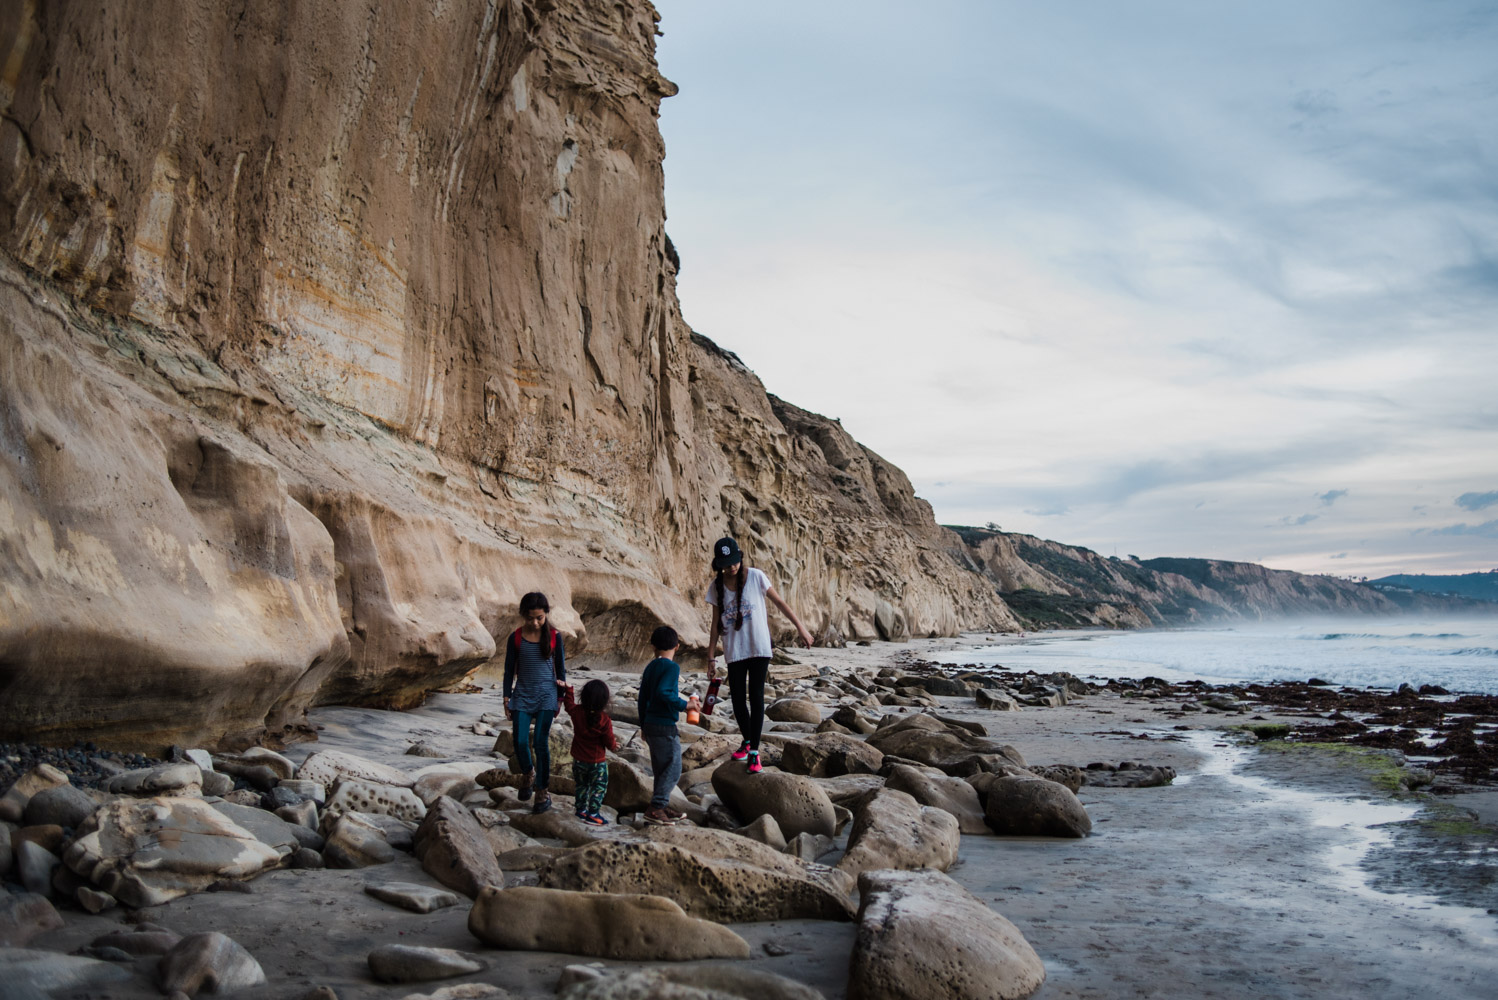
point(742, 751)
point(754, 764)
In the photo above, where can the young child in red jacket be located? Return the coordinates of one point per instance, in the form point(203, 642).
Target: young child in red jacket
point(592, 734)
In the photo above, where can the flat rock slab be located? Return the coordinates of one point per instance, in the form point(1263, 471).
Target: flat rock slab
point(604, 925)
point(168, 779)
point(921, 936)
point(145, 852)
point(719, 890)
point(405, 963)
point(413, 896)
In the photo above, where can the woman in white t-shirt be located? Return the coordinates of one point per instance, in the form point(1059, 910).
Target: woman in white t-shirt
point(741, 619)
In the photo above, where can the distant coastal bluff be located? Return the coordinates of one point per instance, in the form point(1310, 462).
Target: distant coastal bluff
point(327, 332)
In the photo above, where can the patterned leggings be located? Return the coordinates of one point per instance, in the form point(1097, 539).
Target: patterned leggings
point(592, 783)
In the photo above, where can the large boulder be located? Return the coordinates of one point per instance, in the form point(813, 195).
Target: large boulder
point(846, 789)
point(24, 915)
point(797, 802)
point(708, 747)
point(719, 890)
point(954, 795)
point(604, 925)
point(147, 851)
point(1033, 807)
point(210, 962)
point(794, 710)
point(827, 755)
point(268, 828)
point(927, 740)
point(453, 849)
point(921, 936)
point(893, 830)
point(165, 779)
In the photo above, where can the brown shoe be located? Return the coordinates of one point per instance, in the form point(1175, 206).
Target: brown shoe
point(543, 801)
point(527, 785)
point(659, 817)
point(675, 814)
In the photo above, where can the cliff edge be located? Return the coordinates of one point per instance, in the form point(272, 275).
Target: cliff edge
point(327, 332)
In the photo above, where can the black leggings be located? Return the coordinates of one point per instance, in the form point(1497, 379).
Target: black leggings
point(749, 712)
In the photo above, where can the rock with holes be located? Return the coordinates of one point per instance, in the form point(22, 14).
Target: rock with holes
point(453, 849)
point(953, 795)
point(1033, 807)
point(208, 963)
point(357, 795)
point(327, 766)
point(707, 887)
point(921, 936)
point(605, 925)
point(797, 802)
point(147, 851)
point(827, 755)
point(718, 981)
point(893, 830)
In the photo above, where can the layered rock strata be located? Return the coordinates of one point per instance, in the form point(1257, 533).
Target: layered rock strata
point(325, 337)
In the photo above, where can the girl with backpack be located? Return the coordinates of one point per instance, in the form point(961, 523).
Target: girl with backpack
point(739, 595)
point(535, 667)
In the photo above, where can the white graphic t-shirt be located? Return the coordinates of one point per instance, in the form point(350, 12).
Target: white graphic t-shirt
point(752, 637)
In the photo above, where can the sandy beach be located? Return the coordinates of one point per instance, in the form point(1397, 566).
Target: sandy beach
point(1251, 875)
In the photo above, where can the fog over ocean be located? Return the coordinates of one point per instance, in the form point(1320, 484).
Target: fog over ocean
point(1460, 654)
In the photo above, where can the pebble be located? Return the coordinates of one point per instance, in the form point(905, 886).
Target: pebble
point(404, 963)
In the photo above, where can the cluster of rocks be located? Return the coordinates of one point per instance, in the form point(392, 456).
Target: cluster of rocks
point(856, 816)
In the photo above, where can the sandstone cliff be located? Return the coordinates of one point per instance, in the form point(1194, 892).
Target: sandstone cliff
point(328, 331)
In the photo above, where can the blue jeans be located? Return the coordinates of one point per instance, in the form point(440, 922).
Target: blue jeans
point(542, 764)
point(665, 761)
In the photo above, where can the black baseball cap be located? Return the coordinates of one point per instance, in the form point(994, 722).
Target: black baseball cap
point(726, 553)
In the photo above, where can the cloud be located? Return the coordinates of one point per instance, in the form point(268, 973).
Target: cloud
point(1339, 555)
point(1477, 501)
point(1054, 510)
point(1488, 529)
point(1330, 497)
point(1297, 521)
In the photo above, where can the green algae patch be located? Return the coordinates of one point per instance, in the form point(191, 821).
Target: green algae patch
point(1382, 768)
point(1266, 731)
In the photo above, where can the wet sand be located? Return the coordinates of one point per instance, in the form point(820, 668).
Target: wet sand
point(1247, 877)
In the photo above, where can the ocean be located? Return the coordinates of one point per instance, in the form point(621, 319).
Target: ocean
point(1459, 654)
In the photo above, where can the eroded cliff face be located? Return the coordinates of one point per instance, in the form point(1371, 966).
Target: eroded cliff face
point(327, 332)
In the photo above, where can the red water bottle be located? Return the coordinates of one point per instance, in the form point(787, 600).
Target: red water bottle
point(711, 698)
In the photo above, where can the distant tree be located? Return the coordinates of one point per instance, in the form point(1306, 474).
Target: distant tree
point(991, 526)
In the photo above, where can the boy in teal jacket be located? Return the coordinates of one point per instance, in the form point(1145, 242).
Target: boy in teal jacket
point(660, 702)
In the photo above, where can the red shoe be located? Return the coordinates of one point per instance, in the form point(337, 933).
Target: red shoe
point(742, 751)
point(754, 765)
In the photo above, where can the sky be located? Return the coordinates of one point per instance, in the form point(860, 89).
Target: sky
point(1154, 278)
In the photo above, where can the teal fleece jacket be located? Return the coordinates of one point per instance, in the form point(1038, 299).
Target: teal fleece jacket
point(660, 700)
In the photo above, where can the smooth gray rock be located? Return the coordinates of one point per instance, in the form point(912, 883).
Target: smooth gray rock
point(62, 805)
point(412, 896)
point(216, 784)
point(267, 828)
point(210, 962)
point(718, 981)
point(353, 842)
point(24, 915)
point(303, 814)
point(28, 974)
point(142, 941)
point(454, 850)
point(34, 867)
point(404, 963)
point(93, 900)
